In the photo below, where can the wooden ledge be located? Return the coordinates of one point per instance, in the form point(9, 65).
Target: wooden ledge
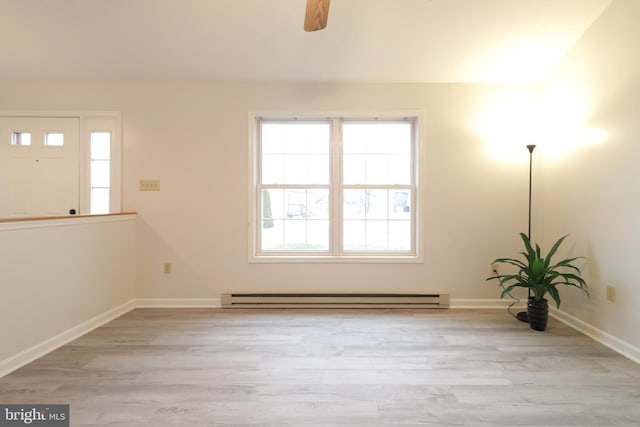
point(47, 218)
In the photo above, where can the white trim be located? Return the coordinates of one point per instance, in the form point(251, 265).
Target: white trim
point(63, 221)
point(50, 344)
point(328, 259)
point(616, 344)
point(336, 253)
point(177, 303)
point(462, 303)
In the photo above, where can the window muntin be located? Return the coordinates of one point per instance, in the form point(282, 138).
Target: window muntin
point(335, 187)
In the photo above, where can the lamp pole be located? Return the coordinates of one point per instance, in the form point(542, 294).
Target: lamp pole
point(522, 316)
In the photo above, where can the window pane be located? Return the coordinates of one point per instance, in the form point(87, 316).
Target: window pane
point(99, 200)
point(317, 169)
point(295, 203)
point(273, 203)
point(400, 235)
point(383, 150)
point(272, 237)
point(354, 168)
point(377, 235)
point(377, 220)
point(295, 153)
point(377, 171)
point(295, 219)
point(377, 206)
point(400, 206)
point(400, 169)
point(377, 137)
point(54, 139)
point(318, 204)
point(100, 173)
point(272, 168)
point(101, 145)
point(301, 235)
point(354, 236)
point(273, 138)
point(354, 204)
point(295, 169)
point(21, 138)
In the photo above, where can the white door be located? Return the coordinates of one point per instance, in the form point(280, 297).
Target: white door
point(39, 166)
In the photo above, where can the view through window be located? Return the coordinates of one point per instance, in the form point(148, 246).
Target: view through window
point(336, 187)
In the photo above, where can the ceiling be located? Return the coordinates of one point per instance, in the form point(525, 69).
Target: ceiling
point(264, 41)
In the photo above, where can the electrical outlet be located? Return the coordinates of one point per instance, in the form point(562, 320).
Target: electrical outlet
point(494, 269)
point(611, 292)
point(167, 268)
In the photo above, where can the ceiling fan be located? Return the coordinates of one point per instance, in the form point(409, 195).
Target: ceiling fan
point(317, 13)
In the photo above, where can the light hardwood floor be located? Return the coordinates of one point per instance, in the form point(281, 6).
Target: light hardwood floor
point(214, 367)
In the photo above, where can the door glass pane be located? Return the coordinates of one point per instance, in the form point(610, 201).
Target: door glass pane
point(99, 200)
point(54, 139)
point(100, 173)
point(21, 138)
point(101, 145)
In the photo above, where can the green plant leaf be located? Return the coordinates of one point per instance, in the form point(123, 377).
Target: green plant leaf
point(538, 274)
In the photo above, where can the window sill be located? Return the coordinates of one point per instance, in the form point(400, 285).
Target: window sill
point(356, 259)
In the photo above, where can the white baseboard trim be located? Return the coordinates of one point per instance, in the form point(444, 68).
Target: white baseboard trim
point(485, 303)
point(177, 303)
point(616, 344)
point(50, 344)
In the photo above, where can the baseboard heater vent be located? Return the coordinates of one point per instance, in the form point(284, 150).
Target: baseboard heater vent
point(334, 300)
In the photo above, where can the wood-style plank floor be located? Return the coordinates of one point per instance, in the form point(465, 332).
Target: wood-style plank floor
point(214, 367)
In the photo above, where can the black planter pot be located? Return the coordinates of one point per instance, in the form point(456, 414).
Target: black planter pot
point(538, 313)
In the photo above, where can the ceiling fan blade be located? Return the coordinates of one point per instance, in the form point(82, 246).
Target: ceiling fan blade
point(317, 13)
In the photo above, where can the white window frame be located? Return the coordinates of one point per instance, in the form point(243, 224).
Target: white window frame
point(336, 186)
point(101, 122)
point(91, 121)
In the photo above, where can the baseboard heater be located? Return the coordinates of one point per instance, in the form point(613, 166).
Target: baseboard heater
point(334, 300)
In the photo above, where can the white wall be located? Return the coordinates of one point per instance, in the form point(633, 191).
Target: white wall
point(56, 275)
point(592, 186)
point(194, 138)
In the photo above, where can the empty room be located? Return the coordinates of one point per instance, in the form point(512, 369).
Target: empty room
point(318, 213)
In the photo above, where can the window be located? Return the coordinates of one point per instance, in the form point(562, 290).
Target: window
point(100, 147)
point(54, 139)
point(102, 164)
point(21, 138)
point(337, 188)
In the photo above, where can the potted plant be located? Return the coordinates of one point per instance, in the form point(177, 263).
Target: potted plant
point(541, 276)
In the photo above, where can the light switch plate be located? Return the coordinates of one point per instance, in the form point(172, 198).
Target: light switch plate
point(149, 185)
